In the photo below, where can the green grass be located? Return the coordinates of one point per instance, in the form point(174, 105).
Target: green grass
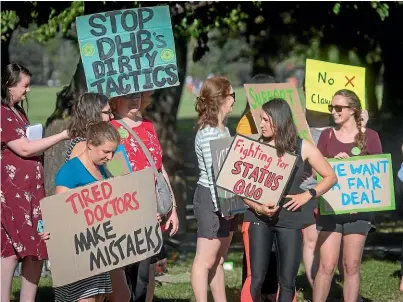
point(379, 283)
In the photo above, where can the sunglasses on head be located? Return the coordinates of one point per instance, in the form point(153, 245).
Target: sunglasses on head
point(132, 96)
point(337, 108)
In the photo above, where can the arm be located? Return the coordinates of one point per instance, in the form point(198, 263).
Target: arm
point(208, 162)
point(322, 167)
point(173, 217)
point(25, 148)
point(374, 144)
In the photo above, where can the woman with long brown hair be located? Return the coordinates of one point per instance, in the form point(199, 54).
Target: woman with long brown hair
point(285, 221)
point(214, 232)
point(22, 186)
point(350, 231)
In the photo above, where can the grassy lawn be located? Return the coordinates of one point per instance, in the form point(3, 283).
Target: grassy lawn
point(379, 283)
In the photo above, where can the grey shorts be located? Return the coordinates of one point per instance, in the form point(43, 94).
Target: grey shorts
point(330, 223)
point(210, 224)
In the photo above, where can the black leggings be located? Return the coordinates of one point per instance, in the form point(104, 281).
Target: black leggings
point(258, 240)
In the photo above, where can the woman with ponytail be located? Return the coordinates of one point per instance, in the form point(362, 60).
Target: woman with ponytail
point(214, 232)
point(348, 138)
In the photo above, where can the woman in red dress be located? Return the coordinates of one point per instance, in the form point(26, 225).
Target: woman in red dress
point(22, 187)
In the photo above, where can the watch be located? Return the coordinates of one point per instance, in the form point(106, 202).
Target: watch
point(312, 192)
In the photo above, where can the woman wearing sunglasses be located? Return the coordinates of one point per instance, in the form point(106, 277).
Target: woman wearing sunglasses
point(347, 138)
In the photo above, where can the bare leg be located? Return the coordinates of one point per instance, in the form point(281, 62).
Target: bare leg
point(206, 259)
point(310, 253)
point(353, 246)
point(217, 283)
point(329, 245)
point(120, 290)
point(151, 284)
point(8, 266)
point(31, 273)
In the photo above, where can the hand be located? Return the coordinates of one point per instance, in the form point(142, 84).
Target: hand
point(297, 201)
point(342, 155)
point(228, 217)
point(172, 222)
point(267, 209)
point(44, 235)
point(65, 134)
point(159, 218)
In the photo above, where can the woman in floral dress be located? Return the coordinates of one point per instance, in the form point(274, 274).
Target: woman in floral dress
point(22, 187)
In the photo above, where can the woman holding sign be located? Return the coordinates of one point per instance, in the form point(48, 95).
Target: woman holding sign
point(285, 220)
point(102, 140)
point(350, 231)
point(214, 232)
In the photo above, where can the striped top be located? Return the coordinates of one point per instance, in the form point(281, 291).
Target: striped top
point(203, 152)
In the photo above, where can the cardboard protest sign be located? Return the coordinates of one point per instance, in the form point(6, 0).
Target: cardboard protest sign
point(254, 171)
point(102, 226)
point(128, 51)
point(324, 79)
point(365, 184)
point(230, 204)
point(258, 94)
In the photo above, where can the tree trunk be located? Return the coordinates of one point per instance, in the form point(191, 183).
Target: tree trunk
point(163, 112)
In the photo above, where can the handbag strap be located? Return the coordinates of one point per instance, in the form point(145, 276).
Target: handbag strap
point(143, 147)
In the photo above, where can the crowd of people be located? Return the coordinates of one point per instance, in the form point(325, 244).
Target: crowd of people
point(99, 125)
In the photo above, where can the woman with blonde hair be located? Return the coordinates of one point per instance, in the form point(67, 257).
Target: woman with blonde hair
point(349, 231)
point(214, 232)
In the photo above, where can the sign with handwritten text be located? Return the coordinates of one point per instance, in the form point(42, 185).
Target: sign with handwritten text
point(258, 94)
point(324, 79)
point(254, 171)
point(102, 226)
point(230, 204)
point(365, 184)
point(128, 51)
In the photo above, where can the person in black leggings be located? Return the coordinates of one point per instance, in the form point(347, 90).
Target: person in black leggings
point(284, 221)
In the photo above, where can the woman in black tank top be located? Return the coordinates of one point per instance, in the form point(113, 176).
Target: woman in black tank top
point(285, 220)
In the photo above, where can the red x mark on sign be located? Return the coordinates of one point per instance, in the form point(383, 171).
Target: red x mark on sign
point(349, 81)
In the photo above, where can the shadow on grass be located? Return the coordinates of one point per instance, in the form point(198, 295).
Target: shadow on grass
point(44, 294)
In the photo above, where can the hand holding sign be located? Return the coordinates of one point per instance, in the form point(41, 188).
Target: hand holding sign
point(268, 209)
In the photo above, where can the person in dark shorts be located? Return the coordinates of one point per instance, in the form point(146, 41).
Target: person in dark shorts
point(350, 231)
point(214, 232)
point(284, 221)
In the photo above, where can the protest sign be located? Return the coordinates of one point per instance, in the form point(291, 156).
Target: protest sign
point(258, 94)
point(365, 184)
point(128, 51)
point(230, 204)
point(254, 171)
point(102, 226)
point(324, 79)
